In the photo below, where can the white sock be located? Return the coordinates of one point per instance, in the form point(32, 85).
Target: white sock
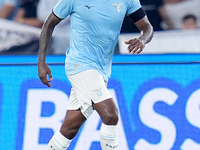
point(108, 138)
point(58, 142)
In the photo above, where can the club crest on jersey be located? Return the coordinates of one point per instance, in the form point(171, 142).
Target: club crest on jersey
point(118, 9)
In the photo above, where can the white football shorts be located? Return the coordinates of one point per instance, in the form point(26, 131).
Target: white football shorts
point(88, 87)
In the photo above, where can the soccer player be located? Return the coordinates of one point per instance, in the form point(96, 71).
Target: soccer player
point(94, 31)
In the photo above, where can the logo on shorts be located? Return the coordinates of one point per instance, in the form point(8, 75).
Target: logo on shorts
point(98, 91)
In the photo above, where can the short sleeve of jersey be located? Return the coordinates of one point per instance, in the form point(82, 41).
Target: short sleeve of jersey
point(133, 5)
point(63, 8)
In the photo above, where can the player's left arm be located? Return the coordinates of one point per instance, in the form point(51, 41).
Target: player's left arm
point(140, 19)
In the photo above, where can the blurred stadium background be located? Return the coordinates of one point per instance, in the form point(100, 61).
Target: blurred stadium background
point(157, 92)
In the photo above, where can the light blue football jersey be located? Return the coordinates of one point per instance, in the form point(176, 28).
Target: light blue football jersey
point(94, 30)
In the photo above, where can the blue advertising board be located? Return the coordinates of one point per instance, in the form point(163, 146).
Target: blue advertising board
point(158, 98)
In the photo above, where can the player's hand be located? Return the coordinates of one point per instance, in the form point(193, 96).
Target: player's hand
point(43, 70)
point(135, 46)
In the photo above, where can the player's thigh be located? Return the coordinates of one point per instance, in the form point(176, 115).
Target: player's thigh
point(108, 111)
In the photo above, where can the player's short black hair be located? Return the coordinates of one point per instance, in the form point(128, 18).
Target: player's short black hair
point(189, 16)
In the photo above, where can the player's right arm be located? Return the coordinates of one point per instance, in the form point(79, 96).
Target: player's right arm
point(45, 37)
point(141, 21)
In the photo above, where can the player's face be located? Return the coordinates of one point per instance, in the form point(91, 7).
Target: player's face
point(189, 24)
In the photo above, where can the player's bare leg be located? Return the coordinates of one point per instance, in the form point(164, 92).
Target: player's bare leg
point(73, 121)
point(109, 115)
point(70, 126)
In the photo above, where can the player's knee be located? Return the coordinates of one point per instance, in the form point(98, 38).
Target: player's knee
point(111, 118)
point(68, 133)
